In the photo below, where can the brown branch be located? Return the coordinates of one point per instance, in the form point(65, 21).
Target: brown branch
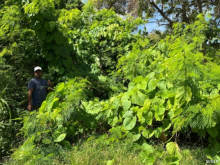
point(218, 23)
point(199, 6)
point(218, 7)
point(162, 13)
point(207, 6)
point(185, 18)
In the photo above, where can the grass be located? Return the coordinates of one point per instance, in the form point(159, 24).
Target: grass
point(119, 153)
point(93, 153)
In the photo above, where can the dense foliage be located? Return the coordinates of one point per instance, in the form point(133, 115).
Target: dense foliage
point(89, 47)
point(168, 11)
point(112, 81)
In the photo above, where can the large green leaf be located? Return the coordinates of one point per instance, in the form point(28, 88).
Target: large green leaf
point(58, 50)
point(60, 87)
point(48, 56)
point(66, 144)
point(129, 122)
point(147, 159)
point(49, 25)
point(41, 34)
point(50, 100)
point(210, 153)
point(50, 105)
point(66, 63)
point(166, 124)
point(173, 148)
point(136, 137)
point(89, 121)
point(88, 105)
point(152, 84)
point(71, 131)
point(159, 113)
point(43, 106)
point(149, 118)
point(61, 70)
point(148, 133)
point(201, 132)
point(213, 132)
point(114, 121)
point(140, 116)
point(158, 132)
point(184, 95)
point(128, 114)
point(58, 37)
point(131, 85)
point(125, 102)
point(143, 85)
point(161, 85)
point(148, 148)
point(147, 104)
point(92, 107)
point(115, 103)
point(138, 98)
point(49, 38)
point(59, 134)
point(217, 146)
point(172, 160)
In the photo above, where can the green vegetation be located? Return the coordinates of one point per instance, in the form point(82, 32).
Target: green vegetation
point(132, 98)
point(97, 152)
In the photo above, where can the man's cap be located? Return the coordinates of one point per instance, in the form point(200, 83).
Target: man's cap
point(37, 68)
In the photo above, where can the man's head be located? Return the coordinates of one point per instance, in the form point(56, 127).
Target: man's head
point(38, 72)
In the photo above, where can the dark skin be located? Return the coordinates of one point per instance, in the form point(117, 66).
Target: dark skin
point(38, 75)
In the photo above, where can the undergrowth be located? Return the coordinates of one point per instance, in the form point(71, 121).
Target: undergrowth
point(118, 153)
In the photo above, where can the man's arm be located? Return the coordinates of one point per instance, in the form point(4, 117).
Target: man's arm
point(30, 91)
point(49, 89)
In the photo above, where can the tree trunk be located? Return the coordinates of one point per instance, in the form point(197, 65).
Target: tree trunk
point(185, 18)
point(199, 6)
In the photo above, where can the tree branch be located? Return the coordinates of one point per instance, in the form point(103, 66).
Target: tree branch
point(216, 15)
point(207, 6)
point(185, 18)
point(199, 6)
point(162, 13)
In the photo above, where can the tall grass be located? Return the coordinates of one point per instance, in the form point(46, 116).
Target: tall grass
point(118, 153)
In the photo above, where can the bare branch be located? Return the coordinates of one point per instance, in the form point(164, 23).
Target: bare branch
point(185, 18)
point(162, 13)
point(199, 6)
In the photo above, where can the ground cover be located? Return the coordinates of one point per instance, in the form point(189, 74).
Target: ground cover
point(119, 153)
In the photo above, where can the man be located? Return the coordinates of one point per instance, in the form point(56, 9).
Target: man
point(37, 90)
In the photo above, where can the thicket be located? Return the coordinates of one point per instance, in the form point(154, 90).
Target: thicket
point(66, 43)
point(112, 81)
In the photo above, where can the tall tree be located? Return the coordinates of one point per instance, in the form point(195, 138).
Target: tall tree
point(166, 12)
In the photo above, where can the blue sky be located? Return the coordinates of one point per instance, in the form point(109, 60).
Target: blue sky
point(151, 26)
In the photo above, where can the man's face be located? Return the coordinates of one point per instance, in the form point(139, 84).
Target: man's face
point(38, 73)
